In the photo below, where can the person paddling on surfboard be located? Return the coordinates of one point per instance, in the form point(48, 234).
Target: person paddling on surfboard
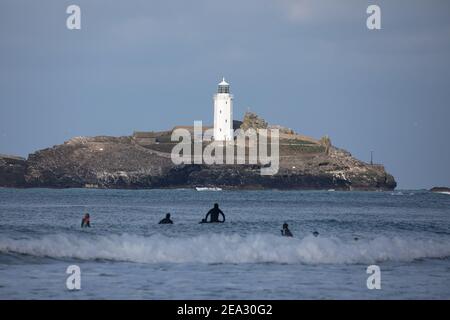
point(166, 220)
point(214, 213)
point(286, 232)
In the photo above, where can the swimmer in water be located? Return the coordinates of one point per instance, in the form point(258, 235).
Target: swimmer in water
point(166, 220)
point(286, 232)
point(86, 221)
point(214, 213)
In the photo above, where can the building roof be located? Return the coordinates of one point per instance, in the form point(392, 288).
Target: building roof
point(191, 128)
point(224, 83)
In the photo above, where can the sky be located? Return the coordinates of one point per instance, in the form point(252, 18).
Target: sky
point(311, 65)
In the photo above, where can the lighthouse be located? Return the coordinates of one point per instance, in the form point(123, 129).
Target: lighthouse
point(223, 113)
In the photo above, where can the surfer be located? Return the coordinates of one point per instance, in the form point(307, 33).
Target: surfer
point(214, 213)
point(86, 221)
point(166, 220)
point(315, 234)
point(286, 232)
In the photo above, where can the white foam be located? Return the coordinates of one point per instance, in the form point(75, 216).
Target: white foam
point(221, 248)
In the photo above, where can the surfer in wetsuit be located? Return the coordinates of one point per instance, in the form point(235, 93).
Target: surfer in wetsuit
point(286, 232)
point(214, 213)
point(166, 220)
point(86, 221)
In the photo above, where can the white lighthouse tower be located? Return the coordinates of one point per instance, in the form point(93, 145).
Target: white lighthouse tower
point(223, 113)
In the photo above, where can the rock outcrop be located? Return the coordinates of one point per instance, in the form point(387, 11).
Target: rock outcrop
point(445, 190)
point(12, 171)
point(253, 121)
point(120, 162)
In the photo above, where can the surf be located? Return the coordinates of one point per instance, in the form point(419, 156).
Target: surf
point(226, 249)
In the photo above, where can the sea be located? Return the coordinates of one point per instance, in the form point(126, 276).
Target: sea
point(400, 237)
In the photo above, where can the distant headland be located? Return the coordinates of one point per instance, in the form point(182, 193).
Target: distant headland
point(444, 190)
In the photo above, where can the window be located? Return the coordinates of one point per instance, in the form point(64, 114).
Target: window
point(223, 89)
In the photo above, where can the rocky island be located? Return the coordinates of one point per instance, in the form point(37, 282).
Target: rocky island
point(143, 161)
point(444, 190)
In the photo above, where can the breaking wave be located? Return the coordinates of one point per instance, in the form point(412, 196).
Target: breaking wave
point(221, 248)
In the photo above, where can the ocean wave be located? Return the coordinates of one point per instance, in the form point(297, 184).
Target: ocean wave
point(223, 248)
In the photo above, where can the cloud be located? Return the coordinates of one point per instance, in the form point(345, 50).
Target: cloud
point(313, 11)
point(297, 10)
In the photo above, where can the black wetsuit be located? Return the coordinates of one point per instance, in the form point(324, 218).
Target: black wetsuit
point(286, 232)
point(214, 212)
point(85, 222)
point(166, 221)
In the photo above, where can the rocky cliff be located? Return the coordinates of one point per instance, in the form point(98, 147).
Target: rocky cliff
point(121, 162)
point(12, 171)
